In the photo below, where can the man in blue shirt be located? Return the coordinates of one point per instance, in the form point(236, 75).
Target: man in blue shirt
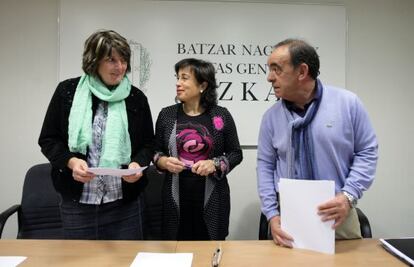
point(315, 132)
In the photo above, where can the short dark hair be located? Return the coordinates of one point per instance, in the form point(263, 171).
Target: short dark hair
point(204, 72)
point(301, 52)
point(99, 45)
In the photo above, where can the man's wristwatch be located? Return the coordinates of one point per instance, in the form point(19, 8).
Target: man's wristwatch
point(351, 199)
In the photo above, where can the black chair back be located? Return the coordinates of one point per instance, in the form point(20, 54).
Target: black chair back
point(39, 215)
point(364, 223)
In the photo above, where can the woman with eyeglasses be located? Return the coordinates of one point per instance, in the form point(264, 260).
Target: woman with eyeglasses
point(197, 146)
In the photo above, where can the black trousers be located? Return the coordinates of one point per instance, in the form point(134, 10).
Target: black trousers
point(192, 225)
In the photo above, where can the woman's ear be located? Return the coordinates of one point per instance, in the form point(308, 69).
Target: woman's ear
point(203, 86)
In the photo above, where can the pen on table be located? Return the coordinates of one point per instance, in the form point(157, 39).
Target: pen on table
point(216, 257)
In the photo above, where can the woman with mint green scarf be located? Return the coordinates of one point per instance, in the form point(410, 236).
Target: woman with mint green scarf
point(99, 120)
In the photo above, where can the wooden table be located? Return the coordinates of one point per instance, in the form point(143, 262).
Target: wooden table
point(364, 252)
point(82, 252)
point(351, 253)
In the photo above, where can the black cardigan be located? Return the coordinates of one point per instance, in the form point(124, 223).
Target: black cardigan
point(217, 198)
point(53, 139)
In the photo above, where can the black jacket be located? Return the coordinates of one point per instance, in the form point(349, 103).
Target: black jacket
point(53, 138)
point(217, 197)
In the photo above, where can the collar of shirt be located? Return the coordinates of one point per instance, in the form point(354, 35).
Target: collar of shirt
point(301, 112)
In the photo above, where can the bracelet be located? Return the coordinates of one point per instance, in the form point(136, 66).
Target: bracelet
point(217, 164)
point(157, 157)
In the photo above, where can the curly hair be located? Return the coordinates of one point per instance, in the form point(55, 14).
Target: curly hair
point(204, 72)
point(99, 45)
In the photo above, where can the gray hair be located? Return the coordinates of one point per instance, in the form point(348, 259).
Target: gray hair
point(301, 52)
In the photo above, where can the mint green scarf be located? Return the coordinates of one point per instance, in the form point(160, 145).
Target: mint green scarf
point(116, 144)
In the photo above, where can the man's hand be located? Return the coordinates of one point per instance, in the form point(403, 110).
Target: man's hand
point(280, 237)
point(335, 209)
point(79, 169)
point(133, 177)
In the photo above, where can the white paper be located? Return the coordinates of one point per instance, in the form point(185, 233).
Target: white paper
point(115, 172)
point(147, 259)
point(299, 200)
point(11, 261)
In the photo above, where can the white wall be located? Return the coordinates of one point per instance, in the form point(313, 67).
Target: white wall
point(160, 31)
point(379, 59)
point(28, 71)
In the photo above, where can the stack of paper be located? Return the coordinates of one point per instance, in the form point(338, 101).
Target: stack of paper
point(299, 200)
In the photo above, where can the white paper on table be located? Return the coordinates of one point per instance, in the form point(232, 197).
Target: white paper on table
point(148, 259)
point(115, 172)
point(11, 261)
point(299, 200)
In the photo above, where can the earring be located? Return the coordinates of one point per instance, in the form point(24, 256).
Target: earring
point(201, 91)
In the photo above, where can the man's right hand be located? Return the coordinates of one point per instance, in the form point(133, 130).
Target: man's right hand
point(79, 169)
point(280, 237)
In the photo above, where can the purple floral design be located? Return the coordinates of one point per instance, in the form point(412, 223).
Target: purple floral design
point(194, 143)
point(218, 122)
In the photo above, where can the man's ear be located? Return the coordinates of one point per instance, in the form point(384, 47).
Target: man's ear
point(303, 71)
